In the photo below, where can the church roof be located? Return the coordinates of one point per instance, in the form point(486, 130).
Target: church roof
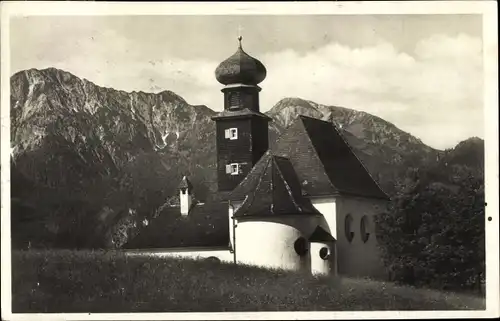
point(240, 68)
point(324, 161)
point(271, 188)
point(321, 235)
point(207, 225)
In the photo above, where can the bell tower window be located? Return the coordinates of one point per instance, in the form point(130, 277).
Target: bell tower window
point(234, 99)
point(241, 129)
point(233, 169)
point(231, 133)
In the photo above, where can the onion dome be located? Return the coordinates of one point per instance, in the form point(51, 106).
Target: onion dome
point(240, 68)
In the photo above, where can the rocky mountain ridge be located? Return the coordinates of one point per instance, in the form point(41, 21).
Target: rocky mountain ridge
point(108, 151)
point(85, 157)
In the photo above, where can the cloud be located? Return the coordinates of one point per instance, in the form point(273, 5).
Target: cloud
point(433, 91)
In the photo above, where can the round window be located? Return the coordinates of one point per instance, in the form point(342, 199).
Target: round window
point(324, 253)
point(364, 227)
point(301, 246)
point(349, 234)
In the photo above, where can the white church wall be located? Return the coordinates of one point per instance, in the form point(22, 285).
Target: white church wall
point(357, 257)
point(328, 207)
point(269, 242)
point(194, 253)
point(231, 209)
point(185, 201)
point(323, 258)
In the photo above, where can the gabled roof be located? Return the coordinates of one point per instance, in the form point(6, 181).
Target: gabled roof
point(207, 225)
point(321, 235)
point(324, 161)
point(271, 188)
point(185, 183)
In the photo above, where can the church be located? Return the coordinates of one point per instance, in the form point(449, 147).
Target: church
point(305, 204)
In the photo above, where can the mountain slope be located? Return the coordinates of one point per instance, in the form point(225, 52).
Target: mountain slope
point(106, 148)
point(89, 162)
point(385, 150)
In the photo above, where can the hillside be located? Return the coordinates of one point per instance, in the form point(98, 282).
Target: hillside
point(97, 154)
point(88, 159)
point(110, 282)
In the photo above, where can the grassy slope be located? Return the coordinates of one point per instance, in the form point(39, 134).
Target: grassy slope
point(110, 282)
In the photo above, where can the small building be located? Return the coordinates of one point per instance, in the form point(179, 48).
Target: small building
point(306, 204)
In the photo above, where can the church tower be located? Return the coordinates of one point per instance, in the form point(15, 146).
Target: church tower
point(241, 129)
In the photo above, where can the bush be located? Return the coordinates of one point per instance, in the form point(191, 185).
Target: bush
point(433, 232)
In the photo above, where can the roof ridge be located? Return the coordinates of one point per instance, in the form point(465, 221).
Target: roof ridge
point(252, 170)
point(316, 152)
point(349, 148)
point(287, 186)
point(252, 198)
point(359, 160)
point(296, 120)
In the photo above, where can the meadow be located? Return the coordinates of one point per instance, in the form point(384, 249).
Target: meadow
point(107, 282)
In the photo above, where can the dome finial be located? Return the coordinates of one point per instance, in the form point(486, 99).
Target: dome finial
point(239, 36)
point(240, 68)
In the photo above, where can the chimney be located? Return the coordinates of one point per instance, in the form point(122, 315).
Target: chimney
point(185, 195)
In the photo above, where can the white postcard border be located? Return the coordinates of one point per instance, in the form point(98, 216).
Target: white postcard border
point(490, 50)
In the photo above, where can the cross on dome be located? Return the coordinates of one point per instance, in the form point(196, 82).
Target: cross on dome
point(240, 37)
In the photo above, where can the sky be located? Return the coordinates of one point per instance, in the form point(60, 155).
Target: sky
point(423, 73)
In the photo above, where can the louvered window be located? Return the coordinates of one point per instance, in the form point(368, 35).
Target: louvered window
point(234, 99)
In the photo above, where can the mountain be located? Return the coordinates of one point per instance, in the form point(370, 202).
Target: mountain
point(88, 162)
point(457, 165)
point(94, 153)
point(469, 152)
point(385, 150)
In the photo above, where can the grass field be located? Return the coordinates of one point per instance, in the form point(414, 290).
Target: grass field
point(106, 282)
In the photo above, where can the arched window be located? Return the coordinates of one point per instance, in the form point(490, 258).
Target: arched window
point(364, 228)
point(349, 234)
point(324, 253)
point(300, 246)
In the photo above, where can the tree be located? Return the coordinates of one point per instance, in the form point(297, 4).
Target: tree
point(433, 231)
